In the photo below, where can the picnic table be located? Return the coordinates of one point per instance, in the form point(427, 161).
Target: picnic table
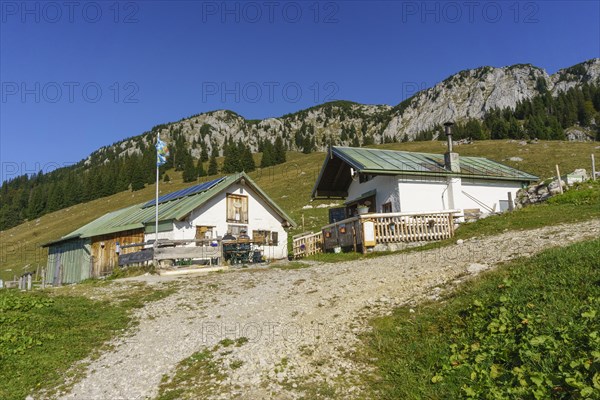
point(241, 252)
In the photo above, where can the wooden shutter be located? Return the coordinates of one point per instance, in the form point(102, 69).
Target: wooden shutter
point(258, 236)
point(274, 238)
point(237, 214)
point(244, 209)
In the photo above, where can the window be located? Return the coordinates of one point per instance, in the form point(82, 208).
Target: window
point(259, 236)
point(236, 230)
point(237, 208)
point(387, 207)
point(204, 233)
point(265, 237)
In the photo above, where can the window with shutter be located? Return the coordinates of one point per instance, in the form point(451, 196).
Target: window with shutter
point(203, 233)
point(237, 208)
point(259, 237)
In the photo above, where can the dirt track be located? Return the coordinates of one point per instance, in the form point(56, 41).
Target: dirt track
point(300, 324)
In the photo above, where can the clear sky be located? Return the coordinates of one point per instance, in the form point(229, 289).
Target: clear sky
point(79, 75)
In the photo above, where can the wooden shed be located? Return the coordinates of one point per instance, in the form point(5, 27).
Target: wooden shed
point(90, 251)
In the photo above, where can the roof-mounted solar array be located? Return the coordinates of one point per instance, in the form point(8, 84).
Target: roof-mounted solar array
point(185, 192)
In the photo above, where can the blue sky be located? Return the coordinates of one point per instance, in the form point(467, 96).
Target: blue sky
point(77, 77)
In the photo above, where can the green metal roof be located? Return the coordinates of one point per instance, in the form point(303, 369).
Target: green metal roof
point(136, 217)
point(378, 161)
point(334, 177)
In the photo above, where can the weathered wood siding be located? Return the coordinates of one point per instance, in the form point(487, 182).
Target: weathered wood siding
point(104, 250)
point(344, 234)
point(68, 262)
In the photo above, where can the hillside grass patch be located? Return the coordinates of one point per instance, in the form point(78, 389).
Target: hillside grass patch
point(528, 330)
point(44, 333)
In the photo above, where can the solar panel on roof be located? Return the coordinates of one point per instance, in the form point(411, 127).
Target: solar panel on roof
point(185, 192)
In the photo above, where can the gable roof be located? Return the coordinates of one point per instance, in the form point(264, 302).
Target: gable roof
point(172, 206)
point(334, 178)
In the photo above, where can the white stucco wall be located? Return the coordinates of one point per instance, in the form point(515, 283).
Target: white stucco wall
point(387, 190)
point(423, 193)
point(214, 213)
point(415, 194)
point(487, 192)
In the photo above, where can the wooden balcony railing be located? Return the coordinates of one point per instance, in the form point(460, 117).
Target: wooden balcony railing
point(307, 244)
point(412, 227)
point(377, 228)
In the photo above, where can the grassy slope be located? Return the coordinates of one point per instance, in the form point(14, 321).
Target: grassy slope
point(523, 331)
point(289, 185)
point(43, 333)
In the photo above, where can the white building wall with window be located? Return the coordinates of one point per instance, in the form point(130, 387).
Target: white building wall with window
point(214, 215)
point(416, 194)
point(386, 187)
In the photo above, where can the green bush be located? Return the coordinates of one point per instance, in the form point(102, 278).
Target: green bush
point(15, 311)
point(509, 351)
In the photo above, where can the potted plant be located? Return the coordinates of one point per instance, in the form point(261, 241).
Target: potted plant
point(363, 208)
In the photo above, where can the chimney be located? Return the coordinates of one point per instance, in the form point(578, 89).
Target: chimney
point(450, 158)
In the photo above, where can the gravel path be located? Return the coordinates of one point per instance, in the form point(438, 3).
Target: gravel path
point(301, 324)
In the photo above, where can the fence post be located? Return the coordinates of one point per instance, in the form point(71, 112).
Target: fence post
point(559, 180)
point(511, 205)
point(593, 168)
point(29, 281)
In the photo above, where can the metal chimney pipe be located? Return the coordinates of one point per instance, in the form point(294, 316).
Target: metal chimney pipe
point(448, 132)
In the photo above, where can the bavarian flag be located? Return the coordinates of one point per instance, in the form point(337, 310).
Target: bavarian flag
point(162, 152)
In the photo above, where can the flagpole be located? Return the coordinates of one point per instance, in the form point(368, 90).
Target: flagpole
point(156, 201)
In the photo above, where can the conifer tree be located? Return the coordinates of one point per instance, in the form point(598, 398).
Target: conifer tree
point(37, 203)
point(200, 169)
point(307, 145)
point(279, 156)
point(189, 170)
point(344, 135)
point(203, 152)
point(213, 168)
point(247, 160)
point(137, 177)
point(231, 162)
point(267, 156)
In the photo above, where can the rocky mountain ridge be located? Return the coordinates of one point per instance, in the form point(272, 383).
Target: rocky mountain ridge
point(468, 94)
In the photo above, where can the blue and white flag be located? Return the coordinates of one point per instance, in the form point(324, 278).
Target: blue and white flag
point(162, 152)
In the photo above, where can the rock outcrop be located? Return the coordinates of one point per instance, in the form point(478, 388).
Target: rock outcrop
point(539, 192)
point(467, 94)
